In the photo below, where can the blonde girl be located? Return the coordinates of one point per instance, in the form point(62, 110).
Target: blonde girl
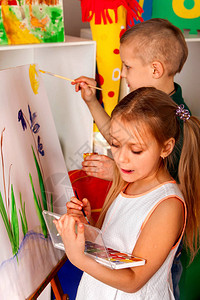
point(146, 210)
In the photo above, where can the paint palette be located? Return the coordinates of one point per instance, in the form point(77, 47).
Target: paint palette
point(112, 258)
point(94, 246)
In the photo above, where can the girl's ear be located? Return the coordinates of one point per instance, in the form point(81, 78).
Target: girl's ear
point(157, 69)
point(167, 148)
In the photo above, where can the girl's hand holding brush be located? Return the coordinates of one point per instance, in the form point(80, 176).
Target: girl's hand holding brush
point(75, 208)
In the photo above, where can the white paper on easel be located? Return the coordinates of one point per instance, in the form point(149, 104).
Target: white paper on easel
point(72, 117)
point(30, 149)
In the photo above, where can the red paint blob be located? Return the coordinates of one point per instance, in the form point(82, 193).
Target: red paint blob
point(111, 94)
point(100, 79)
point(122, 32)
point(116, 51)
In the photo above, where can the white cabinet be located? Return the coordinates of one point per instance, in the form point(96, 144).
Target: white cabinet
point(73, 58)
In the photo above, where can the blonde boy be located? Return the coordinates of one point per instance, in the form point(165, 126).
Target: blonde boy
point(152, 52)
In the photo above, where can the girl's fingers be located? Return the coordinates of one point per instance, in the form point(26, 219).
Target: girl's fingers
point(59, 223)
point(75, 213)
point(71, 223)
point(85, 201)
point(74, 206)
point(66, 223)
point(75, 200)
point(80, 233)
point(74, 203)
point(76, 219)
point(80, 229)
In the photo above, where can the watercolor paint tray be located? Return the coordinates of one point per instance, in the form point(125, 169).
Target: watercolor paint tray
point(94, 246)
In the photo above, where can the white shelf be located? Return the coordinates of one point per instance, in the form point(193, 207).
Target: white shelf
point(192, 37)
point(69, 41)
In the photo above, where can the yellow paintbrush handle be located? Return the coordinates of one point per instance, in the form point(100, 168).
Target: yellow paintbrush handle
point(68, 79)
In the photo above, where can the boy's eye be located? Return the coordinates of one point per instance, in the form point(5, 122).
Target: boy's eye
point(127, 67)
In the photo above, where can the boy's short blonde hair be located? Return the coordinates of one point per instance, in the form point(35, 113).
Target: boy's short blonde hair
point(158, 40)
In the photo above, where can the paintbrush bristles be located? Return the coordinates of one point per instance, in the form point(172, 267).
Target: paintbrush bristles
point(65, 78)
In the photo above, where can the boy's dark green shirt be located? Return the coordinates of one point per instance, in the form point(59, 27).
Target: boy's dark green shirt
point(178, 98)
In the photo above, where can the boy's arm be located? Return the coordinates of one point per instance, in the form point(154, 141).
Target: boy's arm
point(88, 94)
point(100, 166)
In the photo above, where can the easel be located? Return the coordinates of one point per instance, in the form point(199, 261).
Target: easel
point(53, 279)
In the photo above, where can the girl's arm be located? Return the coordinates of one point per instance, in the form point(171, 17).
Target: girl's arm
point(154, 244)
point(88, 94)
point(74, 246)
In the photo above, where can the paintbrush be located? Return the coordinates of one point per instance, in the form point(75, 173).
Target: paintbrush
point(68, 79)
point(82, 208)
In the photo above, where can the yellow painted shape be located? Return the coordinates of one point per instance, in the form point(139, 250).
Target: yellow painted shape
point(109, 64)
point(16, 32)
point(141, 3)
point(34, 78)
point(181, 11)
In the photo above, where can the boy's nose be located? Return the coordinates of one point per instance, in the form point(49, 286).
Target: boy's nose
point(123, 72)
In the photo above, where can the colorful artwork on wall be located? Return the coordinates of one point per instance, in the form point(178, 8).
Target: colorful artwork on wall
point(33, 177)
point(184, 14)
point(147, 9)
point(31, 21)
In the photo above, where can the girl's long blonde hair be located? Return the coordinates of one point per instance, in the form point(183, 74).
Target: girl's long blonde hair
point(157, 111)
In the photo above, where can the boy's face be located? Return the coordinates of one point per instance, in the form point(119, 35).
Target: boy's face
point(134, 70)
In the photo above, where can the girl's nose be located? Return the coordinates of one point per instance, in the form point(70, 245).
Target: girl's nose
point(122, 156)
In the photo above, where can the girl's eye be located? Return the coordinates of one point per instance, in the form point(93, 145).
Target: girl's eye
point(137, 152)
point(114, 145)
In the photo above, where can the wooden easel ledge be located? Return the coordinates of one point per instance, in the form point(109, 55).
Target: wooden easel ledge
point(55, 283)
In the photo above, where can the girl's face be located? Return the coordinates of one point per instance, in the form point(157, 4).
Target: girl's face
point(137, 155)
point(136, 73)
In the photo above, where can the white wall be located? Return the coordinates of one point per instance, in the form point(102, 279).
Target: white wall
point(189, 78)
point(72, 17)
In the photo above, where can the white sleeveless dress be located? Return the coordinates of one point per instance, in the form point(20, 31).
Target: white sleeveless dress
point(121, 228)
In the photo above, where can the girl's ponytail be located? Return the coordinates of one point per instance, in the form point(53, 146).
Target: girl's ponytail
point(189, 177)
